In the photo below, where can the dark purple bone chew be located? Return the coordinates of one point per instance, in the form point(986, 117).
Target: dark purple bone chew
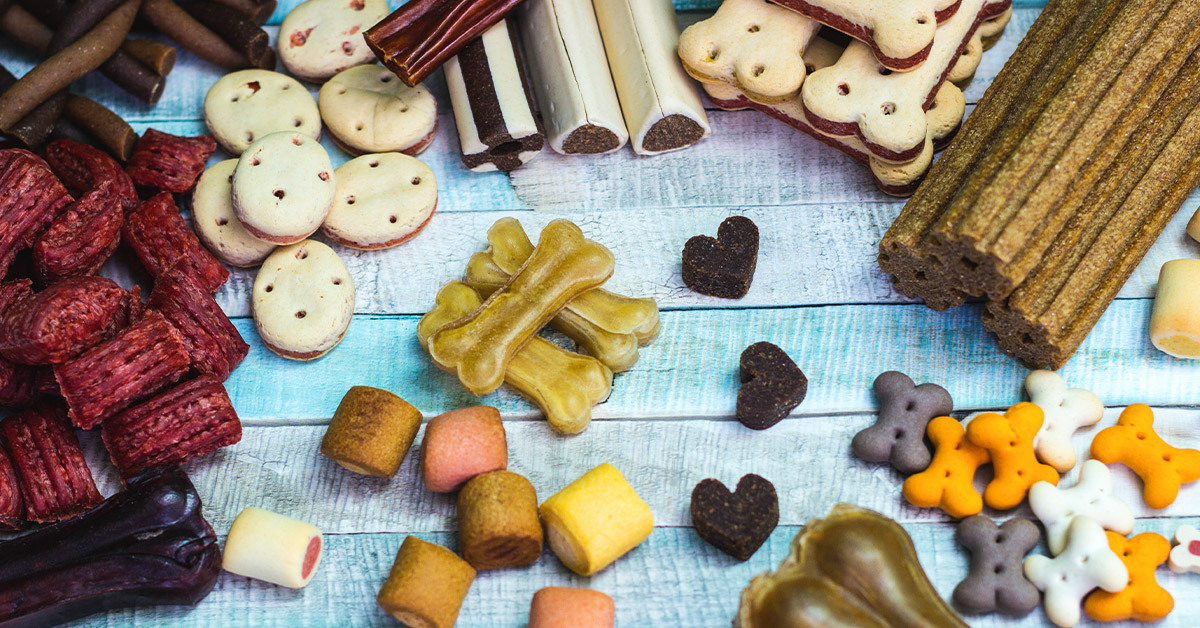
point(772, 385)
point(736, 523)
point(724, 266)
point(996, 581)
point(898, 435)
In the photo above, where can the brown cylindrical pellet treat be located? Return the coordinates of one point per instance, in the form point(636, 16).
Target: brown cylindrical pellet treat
point(158, 57)
point(426, 586)
point(231, 25)
point(371, 432)
point(78, 20)
point(498, 522)
point(193, 36)
point(108, 129)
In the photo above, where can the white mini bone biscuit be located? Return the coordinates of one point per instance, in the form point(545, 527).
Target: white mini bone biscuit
point(216, 223)
point(244, 106)
point(320, 38)
point(303, 300)
point(569, 74)
point(1066, 410)
point(368, 110)
point(1091, 497)
point(271, 547)
point(283, 187)
point(1185, 556)
point(382, 201)
point(1087, 563)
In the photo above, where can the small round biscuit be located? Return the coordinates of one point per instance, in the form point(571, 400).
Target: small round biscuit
point(382, 200)
point(283, 187)
point(217, 225)
point(369, 110)
point(303, 300)
point(320, 38)
point(246, 105)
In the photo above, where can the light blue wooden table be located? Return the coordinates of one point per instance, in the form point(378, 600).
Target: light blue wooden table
point(817, 293)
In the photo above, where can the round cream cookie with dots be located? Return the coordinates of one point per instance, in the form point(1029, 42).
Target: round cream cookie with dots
point(243, 106)
point(368, 110)
point(382, 200)
point(303, 300)
point(218, 226)
point(320, 38)
point(283, 187)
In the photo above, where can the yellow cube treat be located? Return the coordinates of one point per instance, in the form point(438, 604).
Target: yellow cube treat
point(427, 585)
point(595, 520)
point(1175, 323)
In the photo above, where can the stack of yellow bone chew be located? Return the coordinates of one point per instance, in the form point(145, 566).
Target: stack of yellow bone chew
point(495, 340)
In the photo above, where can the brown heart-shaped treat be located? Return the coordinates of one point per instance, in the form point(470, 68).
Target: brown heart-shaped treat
point(722, 267)
point(736, 523)
point(772, 385)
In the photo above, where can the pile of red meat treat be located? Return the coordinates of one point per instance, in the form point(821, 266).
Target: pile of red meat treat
point(77, 349)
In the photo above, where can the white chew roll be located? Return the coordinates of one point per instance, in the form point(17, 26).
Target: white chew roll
point(271, 547)
point(660, 101)
point(1175, 322)
point(569, 74)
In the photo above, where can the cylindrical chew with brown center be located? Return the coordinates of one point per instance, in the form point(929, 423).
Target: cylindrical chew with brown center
point(498, 522)
point(1175, 323)
point(426, 586)
point(595, 520)
point(371, 432)
point(272, 547)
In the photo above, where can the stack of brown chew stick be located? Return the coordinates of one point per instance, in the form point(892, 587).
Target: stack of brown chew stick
point(1075, 160)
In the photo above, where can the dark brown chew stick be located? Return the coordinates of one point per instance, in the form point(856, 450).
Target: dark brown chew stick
point(109, 130)
point(32, 131)
point(257, 10)
point(421, 35)
point(157, 56)
point(238, 30)
point(193, 36)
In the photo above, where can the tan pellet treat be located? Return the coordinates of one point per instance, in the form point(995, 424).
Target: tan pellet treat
point(426, 586)
point(1193, 227)
point(1175, 323)
point(371, 431)
point(498, 522)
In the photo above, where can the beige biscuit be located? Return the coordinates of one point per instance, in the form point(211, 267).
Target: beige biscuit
point(985, 36)
point(217, 225)
point(991, 30)
point(246, 105)
point(368, 110)
point(755, 45)
point(1193, 226)
point(382, 200)
point(1175, 322)
point(283, 187)
point(303, 300)
point(320, 38)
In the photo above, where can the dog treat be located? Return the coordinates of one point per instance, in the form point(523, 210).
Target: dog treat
point(1193, 226)
point(217, 225)
point(82, 168)
point(565, 385)
point(366, 110)
point(320, 38)
point(901, 38)
point(191, 35)
point(158, 57)
point(303, 300)
point(169, 162)
point(371, 431)
point(498, 522)
point(62, 321)
point(426, 586)
point(1091, 496)
point(947, 483)
point(283, 187)
point(595, 520)
point(488, 90)
point(1134, 443)
point(381, 201)
point(995, 582)
point(235, 27)
point(82, 238)
point(570, 77)
point(1066, 411)
point(101, 125)
point(12, 509)
point(272, 547)
point(32, 131)
point(156, 233)
point(461, 444)
point(737, 522)
point(244, 106)
point(557, 607)
point(660, 102)
point(898, 435)
point(722, 267)
point(479, 347)
point(1008, 438)
point(55, 481)
point(214, 344)
point(30, 198)
point(772, 386)
point(1185, 556)
point(1143, 599)
point(1086, 563)
point(18, 382)
point(259, 11)
point(1175, 323)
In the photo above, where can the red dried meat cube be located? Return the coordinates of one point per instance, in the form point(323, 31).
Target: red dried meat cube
point(140, 361)
point(55, 481)
point(189, 420)
point(63, 321)
point(12, 509)
point(136, 306)
point(169, 162)
point(83, 168)
point(18, 382)
point(160, 239)
point(214, 344)
point(30, 197)
point(82, 238)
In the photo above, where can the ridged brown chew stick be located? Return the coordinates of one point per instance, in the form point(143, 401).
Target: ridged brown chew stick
point(110, 131)
point(193, 36)
point(231, 25)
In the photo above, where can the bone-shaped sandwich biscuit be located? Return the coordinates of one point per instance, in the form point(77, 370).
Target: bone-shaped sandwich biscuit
point(563, 384)
point(1066, 410)
point(947, 483)
point(368, 110)
point(1143, 599)
point(1185, 556)
point(478, 347)
point(898, 435)
point(1091, 496)
point(1085, 564)
point(756, 46)
point(995, 582)
point(1134, 443)
point(1009, 440)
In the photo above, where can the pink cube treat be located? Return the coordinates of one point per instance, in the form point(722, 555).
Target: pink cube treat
point(460, 445)
point(564, 607)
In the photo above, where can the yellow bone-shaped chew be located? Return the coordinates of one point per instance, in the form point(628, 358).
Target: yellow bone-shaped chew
point(946, 484)
point(1134, 443)
point(478, 347)
point(1008, 438)
point(563, 384)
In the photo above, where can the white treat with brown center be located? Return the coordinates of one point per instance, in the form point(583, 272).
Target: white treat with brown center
point(369, 110)
point(320, 38)
point(217, 225)
point(382, 200)
point(244, 106)
point(283, 187)
point(303, 300)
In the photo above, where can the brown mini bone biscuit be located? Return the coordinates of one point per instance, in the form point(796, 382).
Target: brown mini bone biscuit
point(498, 523)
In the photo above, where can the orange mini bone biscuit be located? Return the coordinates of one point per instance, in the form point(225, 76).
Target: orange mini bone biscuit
point(1133, 443)
point(1009, 440)
point(946, 484)
point(1143, 599)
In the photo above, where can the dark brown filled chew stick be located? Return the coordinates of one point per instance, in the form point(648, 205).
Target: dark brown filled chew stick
point(157, 56)
point(109, 130)
point(231, 25)
point(421, 35)
point(259, 11)
point(123, 70)
point(80, 19)
point(193, 36)
point(34, 129)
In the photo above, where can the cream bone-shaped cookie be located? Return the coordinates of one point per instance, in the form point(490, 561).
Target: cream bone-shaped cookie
point(1066, 410)
point(1091, 497)
point(985, 37)
point(1087, 563)
point(885, 109)
point(756, 46)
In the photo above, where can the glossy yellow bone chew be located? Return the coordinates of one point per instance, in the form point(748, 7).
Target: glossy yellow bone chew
point(563, 384)
point(478, 347)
